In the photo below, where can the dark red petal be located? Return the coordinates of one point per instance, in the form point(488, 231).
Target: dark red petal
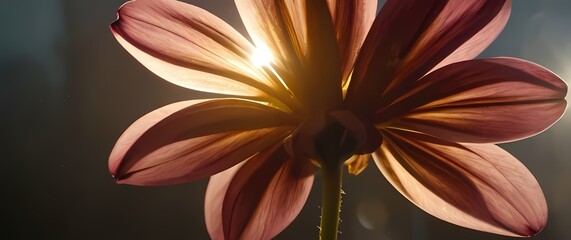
point(258, 199)
point(478, 186)
point(352, 19)
point(189, 140)
point(409, 38)
point(481, 101)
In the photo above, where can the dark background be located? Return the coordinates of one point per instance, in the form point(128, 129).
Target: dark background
point(68, 90)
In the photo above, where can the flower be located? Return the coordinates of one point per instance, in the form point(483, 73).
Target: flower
point(337, 82)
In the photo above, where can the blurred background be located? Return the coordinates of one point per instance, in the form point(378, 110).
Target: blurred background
point(68, 90)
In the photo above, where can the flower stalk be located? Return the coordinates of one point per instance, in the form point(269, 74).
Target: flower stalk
point(331, 202)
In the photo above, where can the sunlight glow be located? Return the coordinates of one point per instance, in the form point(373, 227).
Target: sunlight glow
point(262, 56)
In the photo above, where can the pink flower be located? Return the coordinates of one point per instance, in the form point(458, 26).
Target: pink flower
point(401, 86)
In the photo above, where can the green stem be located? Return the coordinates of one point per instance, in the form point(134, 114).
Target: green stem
point(331, 178)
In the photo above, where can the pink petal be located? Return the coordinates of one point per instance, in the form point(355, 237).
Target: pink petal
point(190, 47)
point(409, 38)
point(352, 20)
point(190, 140)
point(476, 186)
point(258, 199)
point(481, 101)
point(215, 193)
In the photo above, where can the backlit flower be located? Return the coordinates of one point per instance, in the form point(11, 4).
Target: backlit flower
point(314, 90)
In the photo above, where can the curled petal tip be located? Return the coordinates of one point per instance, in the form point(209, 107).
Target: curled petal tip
point(117, 179)
point(533, 232)
point(119, 10)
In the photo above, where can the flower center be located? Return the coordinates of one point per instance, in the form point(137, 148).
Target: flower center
point(333, 137)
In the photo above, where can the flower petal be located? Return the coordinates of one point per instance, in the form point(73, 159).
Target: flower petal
point(481, 40)
point(481, 101)
point(189, 140)
point(352, 19)
point(190, 47)
point(474, 185)
point(323, 62)
point(214, 198)
point(303, 39)
point(281, 27)
point(357, 163)
point(258, 199)
point(409, 38)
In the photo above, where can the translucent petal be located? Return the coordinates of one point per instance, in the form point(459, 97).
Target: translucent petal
point(478, 186)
